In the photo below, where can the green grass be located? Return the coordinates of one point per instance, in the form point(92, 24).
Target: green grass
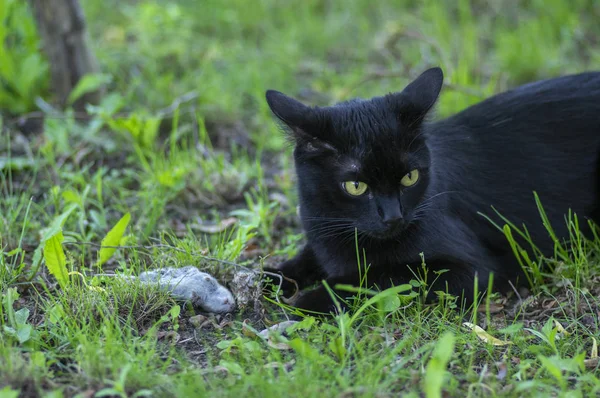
point(185, 143)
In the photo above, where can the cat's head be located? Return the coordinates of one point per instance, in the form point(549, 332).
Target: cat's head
point(363, 163)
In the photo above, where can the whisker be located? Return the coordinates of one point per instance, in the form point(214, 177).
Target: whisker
point(325, 228)
point(327, 218)
point(342, 237)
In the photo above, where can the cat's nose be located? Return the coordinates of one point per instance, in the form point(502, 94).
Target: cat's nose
point(390, 210)
point(393, 220)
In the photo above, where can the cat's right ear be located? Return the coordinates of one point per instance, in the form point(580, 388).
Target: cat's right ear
point(308, 125)
point(420, 95)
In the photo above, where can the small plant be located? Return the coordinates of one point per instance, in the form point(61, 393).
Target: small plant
point(56, 260)
point(23, 71)
point(260, 213)
point(16, 327)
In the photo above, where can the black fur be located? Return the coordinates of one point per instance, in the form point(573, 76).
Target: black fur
point(542, 137)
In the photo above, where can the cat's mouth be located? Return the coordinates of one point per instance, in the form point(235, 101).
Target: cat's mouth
point(387, 234)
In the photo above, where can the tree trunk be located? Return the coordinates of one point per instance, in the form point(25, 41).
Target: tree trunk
point(61, 26)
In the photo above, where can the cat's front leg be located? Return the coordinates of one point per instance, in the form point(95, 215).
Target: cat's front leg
point(457, 279)
point(303, 269)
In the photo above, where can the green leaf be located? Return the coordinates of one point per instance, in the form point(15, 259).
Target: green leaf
point(109, 105)
point(55, 258)
point(444, 348)
point(21, 316)
point(8, 300)
point(415, 283)
point(71, 196)
point(552, 367)
point(389, 304)
point(54, 228)
point(392, 291)
point(55, 314)
point(143, 393)
point(88, 84)
point(224, 344)
point(436, 368)
point(54, 394)
point(175, 311)
point(108, 392)
point(252, 346)
point(512, 329)
point(57, 224)
point(14, 252)
point(304, 349)
point(24, 333)
point(8, 392)
point(232, 367)
point(38, 359)
point(540, 335)
point(9, 331)
point(305, 324)
point(113, 238)
point(548, 326)
point(337, 347)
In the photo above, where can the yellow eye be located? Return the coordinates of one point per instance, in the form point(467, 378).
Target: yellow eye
point(355, 188)
point(410, 178)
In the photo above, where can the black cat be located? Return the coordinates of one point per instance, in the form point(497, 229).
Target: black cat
point(376, 171)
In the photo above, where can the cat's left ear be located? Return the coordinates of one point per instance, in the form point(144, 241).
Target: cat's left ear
point(420, 95)
point(308, 125)
point(292, 112)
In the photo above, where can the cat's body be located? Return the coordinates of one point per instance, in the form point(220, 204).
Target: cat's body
point(542, 137)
